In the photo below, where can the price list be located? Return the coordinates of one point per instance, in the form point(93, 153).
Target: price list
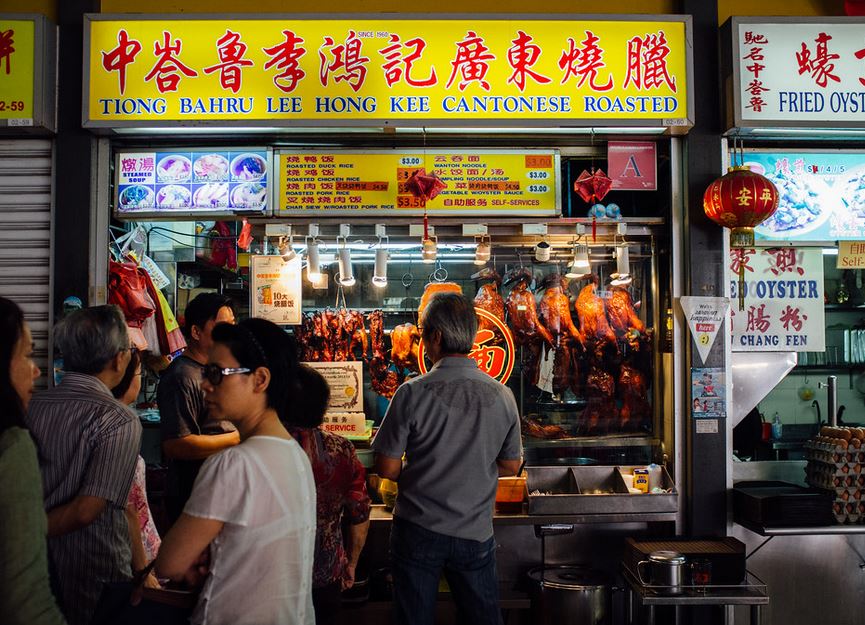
point(377, 182)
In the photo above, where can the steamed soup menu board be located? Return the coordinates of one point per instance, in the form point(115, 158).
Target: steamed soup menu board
point(191, 182)
point(387, 182)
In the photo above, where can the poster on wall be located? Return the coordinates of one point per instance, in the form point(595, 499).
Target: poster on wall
point(203, 182)
point(783, 300)
point(379, 182)
point(821, 195)
point(708, 393)
point(275, 289)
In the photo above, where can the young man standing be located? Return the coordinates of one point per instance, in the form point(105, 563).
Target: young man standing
point(459, 430)
point(188, 436)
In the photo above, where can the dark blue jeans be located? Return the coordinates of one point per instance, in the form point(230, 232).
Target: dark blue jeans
point(418, 558)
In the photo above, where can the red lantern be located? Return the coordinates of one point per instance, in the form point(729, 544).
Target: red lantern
point(740, 200)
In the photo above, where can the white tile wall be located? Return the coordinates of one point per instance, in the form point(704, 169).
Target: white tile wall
point(784, 398)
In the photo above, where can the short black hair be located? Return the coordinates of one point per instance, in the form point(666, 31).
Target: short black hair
point(261, 343)
point(11, 329)
point(308, 409)
point(203, 308)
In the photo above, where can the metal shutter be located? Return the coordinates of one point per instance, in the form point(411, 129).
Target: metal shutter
point(25, 236)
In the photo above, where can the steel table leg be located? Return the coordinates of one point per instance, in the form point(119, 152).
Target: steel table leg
point(756, 615)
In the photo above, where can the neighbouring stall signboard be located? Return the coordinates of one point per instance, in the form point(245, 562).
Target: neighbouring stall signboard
point(370, 182)
point(204, 181)
point(851, 255)
point(821, 195)
point(275, 289)
point(370, 70)
point(633, 165)
point(783, 300)
point(799, 72)
point(26, 71)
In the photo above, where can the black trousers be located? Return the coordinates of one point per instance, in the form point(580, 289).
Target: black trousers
point(327, 601)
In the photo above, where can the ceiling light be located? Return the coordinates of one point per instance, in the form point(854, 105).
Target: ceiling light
point(623, 263)
point(313, 262)
point(542, 252)
point(379, 273)
point(429, 249)
point(580, 265)
point(286, 249)
point(483, 251)
point(346, 271)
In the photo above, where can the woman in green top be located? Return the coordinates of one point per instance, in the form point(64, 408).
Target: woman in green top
point(26, 594)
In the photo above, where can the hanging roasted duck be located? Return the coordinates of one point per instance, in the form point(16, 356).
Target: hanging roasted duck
point(633, 391)
point(555, 313)
point(595, 333)
point(527, 329)
point(434, 288)
point(600, 411)
point(623, 317)
point(383, 379)
point(405, 343)
point(489, 299)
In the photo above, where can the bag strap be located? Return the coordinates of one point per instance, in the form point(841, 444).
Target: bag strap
point(139, 576)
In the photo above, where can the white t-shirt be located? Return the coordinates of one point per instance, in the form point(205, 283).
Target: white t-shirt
point(261, 561)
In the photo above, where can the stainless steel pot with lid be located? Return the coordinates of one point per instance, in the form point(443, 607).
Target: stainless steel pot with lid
point(569, 595)
point(666, 570)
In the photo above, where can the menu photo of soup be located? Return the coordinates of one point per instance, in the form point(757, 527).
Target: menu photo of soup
point(192, 181)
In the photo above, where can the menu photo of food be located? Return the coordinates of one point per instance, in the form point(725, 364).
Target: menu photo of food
point(192, 181)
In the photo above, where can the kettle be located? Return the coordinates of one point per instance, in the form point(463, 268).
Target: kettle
point(666, 570)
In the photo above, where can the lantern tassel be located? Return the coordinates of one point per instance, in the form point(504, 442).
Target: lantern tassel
point(741, 286)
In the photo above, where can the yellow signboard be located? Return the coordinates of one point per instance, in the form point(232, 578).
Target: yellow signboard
point(17, 48)
point(476, 182)
point(851, 255)
point(374, 71)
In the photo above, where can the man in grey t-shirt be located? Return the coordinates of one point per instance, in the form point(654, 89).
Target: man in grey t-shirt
point(459, 430)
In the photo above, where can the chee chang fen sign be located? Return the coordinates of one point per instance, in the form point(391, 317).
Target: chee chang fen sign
point(366, 70)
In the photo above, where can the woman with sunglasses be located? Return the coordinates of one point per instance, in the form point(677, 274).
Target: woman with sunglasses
point(253, 505)
point(26, 593)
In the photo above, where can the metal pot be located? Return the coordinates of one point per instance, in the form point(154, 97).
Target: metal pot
point(569, 595)
point(666, 570)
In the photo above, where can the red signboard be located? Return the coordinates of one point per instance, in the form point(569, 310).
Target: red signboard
point(632, 165)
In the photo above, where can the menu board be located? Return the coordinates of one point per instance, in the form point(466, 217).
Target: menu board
point(476, 182)
point(821, 195)
point(196, 182)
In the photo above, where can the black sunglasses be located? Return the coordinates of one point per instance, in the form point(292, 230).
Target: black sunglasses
point(214, 373)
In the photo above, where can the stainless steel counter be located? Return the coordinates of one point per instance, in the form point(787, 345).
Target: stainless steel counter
point(792, 471)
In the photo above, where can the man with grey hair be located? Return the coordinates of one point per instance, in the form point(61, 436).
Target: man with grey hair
point(88, 446)
point(459, 430)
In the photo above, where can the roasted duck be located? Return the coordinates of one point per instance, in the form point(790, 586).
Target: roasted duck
point(595, 332)
point(555, 309)
point(623, 318)
point(532, 427)
point(523, 313)
point(383, 380)
point(489, 299)
point(405, 342)
point(601, 406)
point(434, 288)
point(633, 391)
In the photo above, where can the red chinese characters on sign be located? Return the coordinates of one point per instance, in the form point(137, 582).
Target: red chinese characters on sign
point(755, 88)
point(584, 62)
point(860, 54)
point(230, 50)
point(137, 165)
point(821, 64)
point(168, 66)
point(647, 62)
point(521, 57)
point(491, 359)
point(792, 317)
point(347, 61)
point(758, 320)
point(124, 54)
point(7, 48)
point(741, 259)
point(471, 62)
point(285, 57)
point(399, 67)
point(785, 260)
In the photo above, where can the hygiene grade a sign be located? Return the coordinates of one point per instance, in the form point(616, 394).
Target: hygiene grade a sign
point(378, 182)
point(368, 70)
point(783, 300)
point(799, 72)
